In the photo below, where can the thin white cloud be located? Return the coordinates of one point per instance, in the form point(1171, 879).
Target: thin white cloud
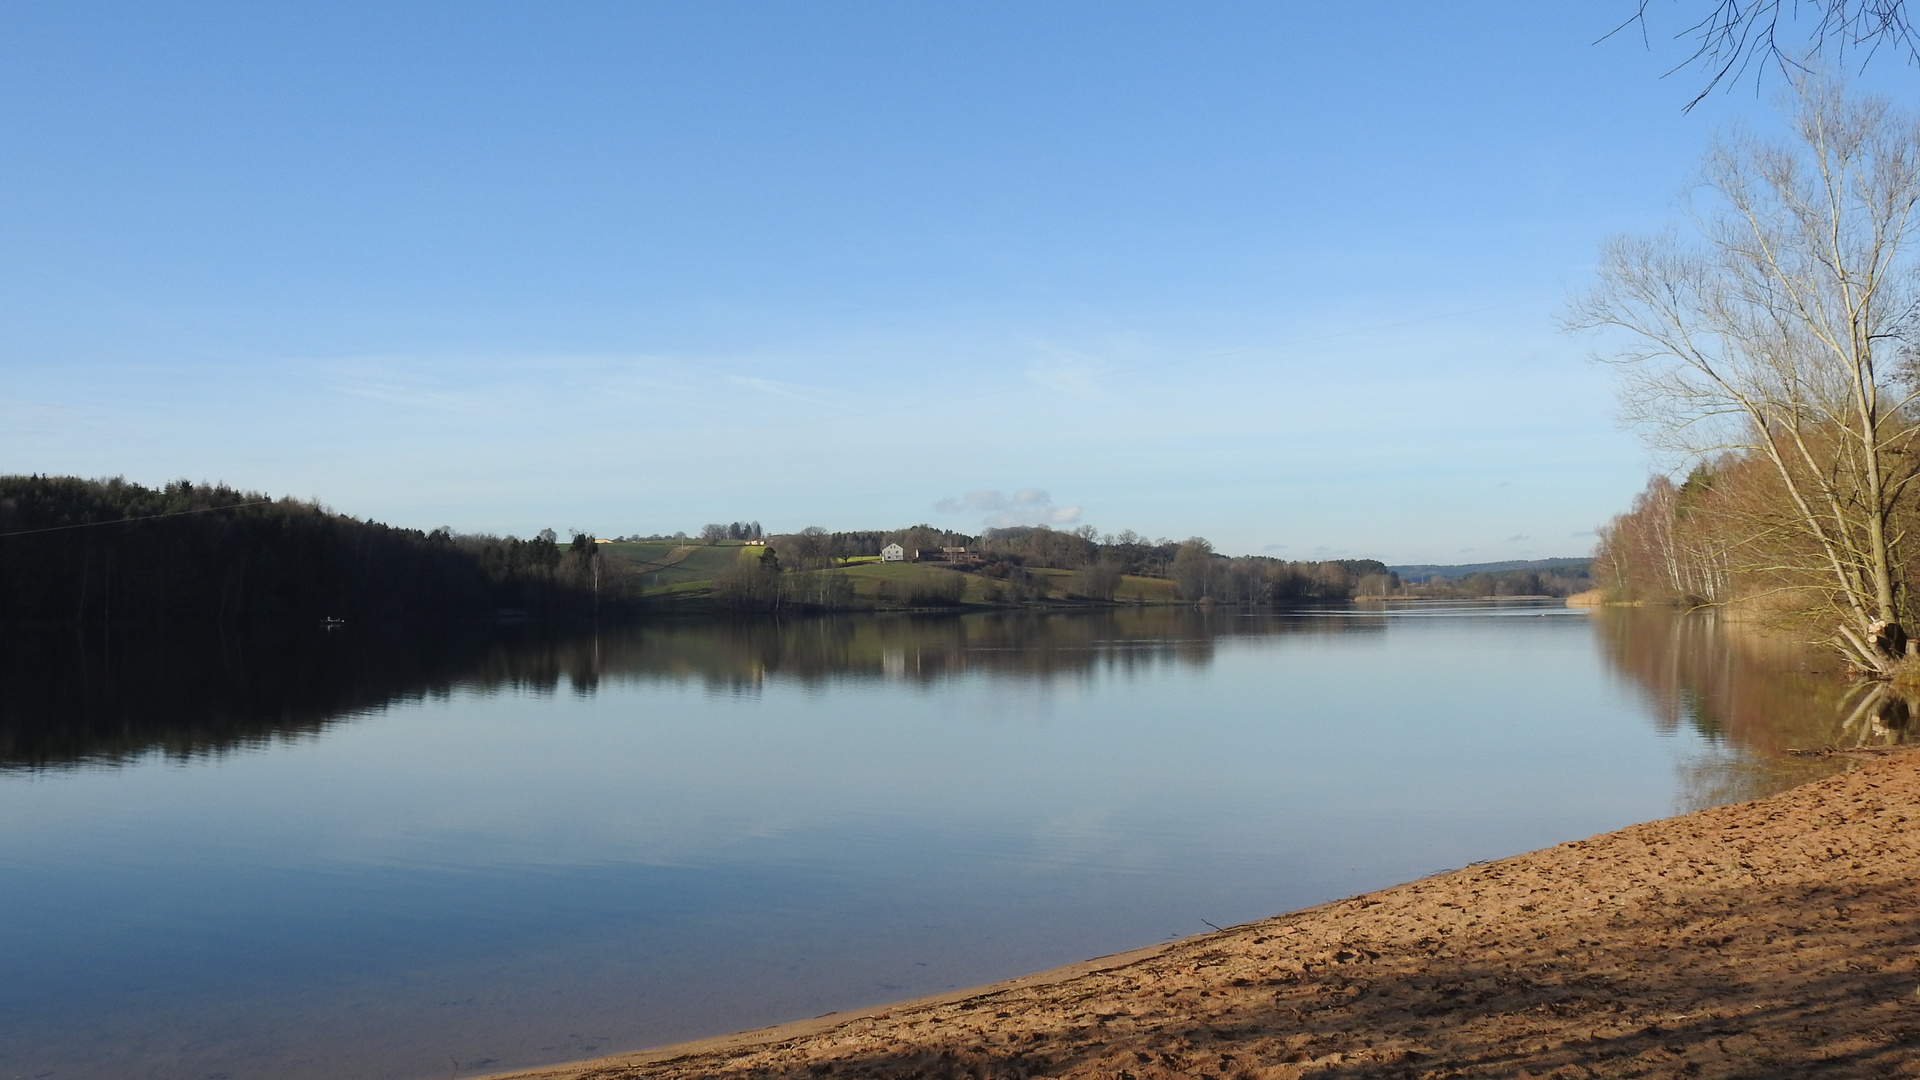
point(1029, 506)
point(1085, 371)
point(790, 391)
point(1080, 380)
point(1073, 372)
point(417, 397)
point(22, 416)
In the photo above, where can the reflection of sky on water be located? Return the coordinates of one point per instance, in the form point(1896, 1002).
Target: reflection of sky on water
point(731, 830)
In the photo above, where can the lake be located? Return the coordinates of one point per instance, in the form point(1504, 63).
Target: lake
point(425, 852)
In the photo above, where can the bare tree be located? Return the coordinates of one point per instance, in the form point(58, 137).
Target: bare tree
point(1778, 335)
point(1193, 568)
point(1673, 544)
point(1790, 35)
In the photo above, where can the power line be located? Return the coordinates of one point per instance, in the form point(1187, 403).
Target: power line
point(123, 521)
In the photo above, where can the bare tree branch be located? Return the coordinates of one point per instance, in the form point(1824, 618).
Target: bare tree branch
point(1734, 37)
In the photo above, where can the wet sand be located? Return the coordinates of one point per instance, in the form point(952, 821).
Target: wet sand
point(1772, 938)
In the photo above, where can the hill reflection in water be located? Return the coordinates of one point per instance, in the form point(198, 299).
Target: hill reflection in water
point(75, 699)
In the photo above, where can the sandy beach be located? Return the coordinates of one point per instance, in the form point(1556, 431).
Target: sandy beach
point(1771, 938)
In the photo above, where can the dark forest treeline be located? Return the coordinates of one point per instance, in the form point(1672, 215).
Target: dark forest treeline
point(75, 550)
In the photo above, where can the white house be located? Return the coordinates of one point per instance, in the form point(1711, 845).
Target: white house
point(893, 553)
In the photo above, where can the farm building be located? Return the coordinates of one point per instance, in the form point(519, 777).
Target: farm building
point(893, 553)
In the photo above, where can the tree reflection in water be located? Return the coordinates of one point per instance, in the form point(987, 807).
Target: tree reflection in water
point(1749, 692)
point(93, 698)
point(74, 699)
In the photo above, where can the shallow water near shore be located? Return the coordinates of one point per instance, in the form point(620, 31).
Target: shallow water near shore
point(411, 853)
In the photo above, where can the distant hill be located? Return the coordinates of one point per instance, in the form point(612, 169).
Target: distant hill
point(1428, 571)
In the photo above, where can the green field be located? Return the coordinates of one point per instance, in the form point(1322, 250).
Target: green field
point(667, 567)
point(1147, 590)
point(867, 578)
point(1131, 590)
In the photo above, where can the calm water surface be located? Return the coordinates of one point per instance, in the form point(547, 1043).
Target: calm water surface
point(419, 854)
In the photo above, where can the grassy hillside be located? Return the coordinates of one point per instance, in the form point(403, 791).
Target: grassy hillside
point(1148, 590)
point(870, 578)
point(667, 567)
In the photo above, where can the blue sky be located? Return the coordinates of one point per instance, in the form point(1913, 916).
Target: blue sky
point(1281, 275)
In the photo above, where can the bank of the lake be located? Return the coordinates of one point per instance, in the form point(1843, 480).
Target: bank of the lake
point(1775, 937)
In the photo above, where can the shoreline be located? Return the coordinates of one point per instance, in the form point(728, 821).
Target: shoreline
point(1760, 938)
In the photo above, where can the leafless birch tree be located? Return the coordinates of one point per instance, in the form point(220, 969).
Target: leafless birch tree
point(1778, 333)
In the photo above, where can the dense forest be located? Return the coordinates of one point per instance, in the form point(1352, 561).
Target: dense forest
point(110, 551)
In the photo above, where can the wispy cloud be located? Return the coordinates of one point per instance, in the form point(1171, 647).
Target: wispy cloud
point(1079, 380)
point(523, 384)
point(790, 391)
point(1030, 506)
point(1070, 371)
point(21, 416)
point(414, 397)
point(467, 384)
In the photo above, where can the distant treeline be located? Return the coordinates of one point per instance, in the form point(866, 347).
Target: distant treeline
point(1537, 577)
point(97, 551)
point(1198, 571)
point(85, 551)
